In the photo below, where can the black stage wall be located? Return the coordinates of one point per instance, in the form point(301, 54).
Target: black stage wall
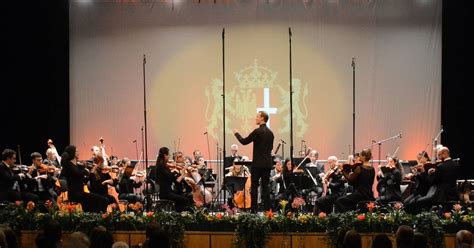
point(36, 87)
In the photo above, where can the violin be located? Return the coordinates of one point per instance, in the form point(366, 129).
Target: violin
point(330, 174)
point(44, 169)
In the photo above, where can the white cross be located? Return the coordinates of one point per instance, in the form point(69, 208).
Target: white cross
point(266, 104)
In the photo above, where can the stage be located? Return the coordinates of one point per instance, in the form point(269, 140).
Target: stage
point(204, 239)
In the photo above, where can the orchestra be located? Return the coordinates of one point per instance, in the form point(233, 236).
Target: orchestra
point(326, 186)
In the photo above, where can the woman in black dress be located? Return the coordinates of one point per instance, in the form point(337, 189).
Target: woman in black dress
point(362, 179)
point(389, 178)
point(166, 179)
point(76, 176)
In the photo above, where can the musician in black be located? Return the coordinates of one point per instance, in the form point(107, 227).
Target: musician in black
point(182, 188)
point(389, 178)
point(234, 151)
point(286, 188)
point(127, 183)
point(334, 182)
point(41, 182)
point(166, 179)
point(262, 138)
point(274, 174)
point(420, 184)
point(362, 179)
point(9, 181)
point(76, 176)
point(317, 171)
point(100, 180)
point(51, 159)
point(443, 180)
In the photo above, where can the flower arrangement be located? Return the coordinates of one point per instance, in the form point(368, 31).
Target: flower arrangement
point(251, 229)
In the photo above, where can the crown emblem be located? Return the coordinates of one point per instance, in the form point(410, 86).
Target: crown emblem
point(255, 76)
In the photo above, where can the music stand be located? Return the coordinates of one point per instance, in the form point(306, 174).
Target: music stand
point(309, 171)
point(246, 163)
point(300, 181)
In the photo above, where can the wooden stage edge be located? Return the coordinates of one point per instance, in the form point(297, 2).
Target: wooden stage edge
point(202, 239)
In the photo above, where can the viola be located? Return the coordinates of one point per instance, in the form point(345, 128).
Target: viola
point(351, 166)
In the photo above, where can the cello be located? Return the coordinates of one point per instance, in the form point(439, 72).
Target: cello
point(243, 199)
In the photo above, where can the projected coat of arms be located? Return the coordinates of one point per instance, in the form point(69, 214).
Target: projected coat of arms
point(255, 87)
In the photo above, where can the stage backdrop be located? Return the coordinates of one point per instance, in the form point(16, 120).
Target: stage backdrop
point(396, 45)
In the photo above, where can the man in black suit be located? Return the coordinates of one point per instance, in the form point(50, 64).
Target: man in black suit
point(262, 138)
point(443, 183)
point(8, 180)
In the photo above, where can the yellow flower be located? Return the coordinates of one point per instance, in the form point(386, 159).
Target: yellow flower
point(465, 218)
point(303, 218)
point(283, 203)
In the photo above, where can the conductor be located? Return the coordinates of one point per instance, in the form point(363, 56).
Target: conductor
point(262, 138)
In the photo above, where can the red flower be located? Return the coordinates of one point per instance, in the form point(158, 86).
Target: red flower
point(149, 214)
point(30, 206)
point(104, 216)
point(49, 204)
point(219, 216)
point(371, 206)
point(447, 215)
point(269, 214)
point(322, 215)
point(18, 203)
point(361, 217)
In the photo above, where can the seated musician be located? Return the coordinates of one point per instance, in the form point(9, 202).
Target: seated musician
point(275, 173)
point(196, 155)
point(200, 163)
point(389, 181)
point(419, 185)
point(286, 188)
point(182, 187)
point(127, 183)
point(9, 181)
point(41, 181)
point(100, 180)
point(51, 158)
point(166, 179)
point(334, 182)
point(95, 151)
point(76, 176)
point(234, 150)
point(362, 179)
point(443, 180)
point(237, 170)
point(317, 171)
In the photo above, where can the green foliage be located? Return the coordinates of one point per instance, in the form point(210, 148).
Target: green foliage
point(251, 230)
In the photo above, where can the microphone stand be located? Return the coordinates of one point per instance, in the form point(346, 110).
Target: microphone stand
point(208, 146)
point(146, 133)
point(353, 105)
point(385, 140)
point(223, 94)
point(291, 96)
point(136, 148)
point(434, 156)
